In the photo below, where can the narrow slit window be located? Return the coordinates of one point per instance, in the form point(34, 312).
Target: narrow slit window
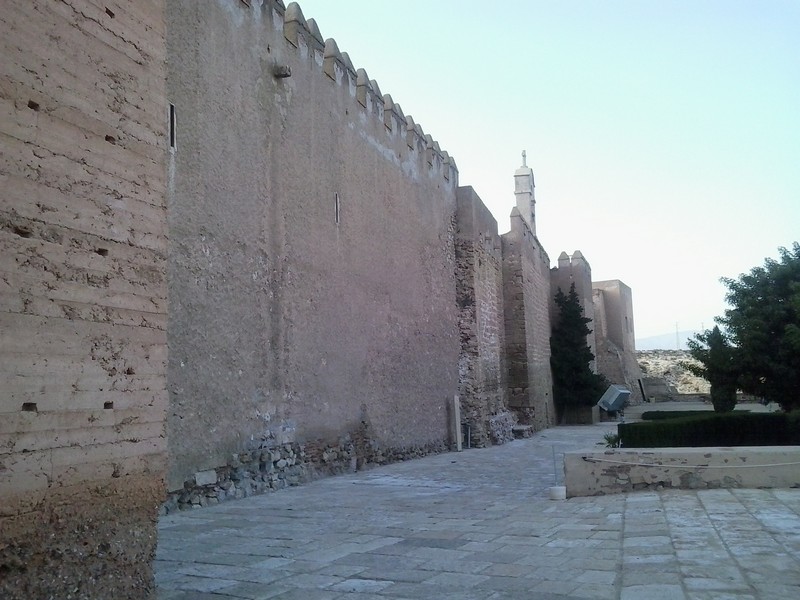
point(172, 124)
point(336, 207)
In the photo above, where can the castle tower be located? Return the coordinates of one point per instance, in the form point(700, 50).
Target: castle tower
point(524, 192)
point(614, 335)
point(526, 310)
point(575, 269)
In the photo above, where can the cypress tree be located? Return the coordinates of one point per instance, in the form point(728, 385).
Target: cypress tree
point(574, 383)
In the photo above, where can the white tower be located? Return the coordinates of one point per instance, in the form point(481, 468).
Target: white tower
point(524, 192)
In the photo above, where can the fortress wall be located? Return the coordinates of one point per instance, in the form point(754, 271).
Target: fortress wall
point(614, 335)
point(82, 297)
point(297, 317)
point(479, 278)
point(614, 310)
point(609, 355)
point(526, 294)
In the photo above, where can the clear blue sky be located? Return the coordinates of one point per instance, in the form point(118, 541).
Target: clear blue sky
point(664, 135)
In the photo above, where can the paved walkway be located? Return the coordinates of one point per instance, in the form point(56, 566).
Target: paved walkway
point(477, 525)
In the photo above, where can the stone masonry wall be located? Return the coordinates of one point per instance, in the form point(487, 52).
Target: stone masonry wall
point(83, 246)
point(616, 354)
point(312, 260)
point(482, 369)
point(526, 294)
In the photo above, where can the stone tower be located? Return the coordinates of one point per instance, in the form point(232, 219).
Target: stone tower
point(575, 269)
point(524, 192)
point(526, 299)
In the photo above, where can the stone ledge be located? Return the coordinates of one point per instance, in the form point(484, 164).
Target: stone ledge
point(595, 473)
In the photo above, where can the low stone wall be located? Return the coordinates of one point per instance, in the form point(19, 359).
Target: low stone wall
point(595, 473)
point(276, 467)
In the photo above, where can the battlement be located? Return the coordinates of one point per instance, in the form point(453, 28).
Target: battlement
point(575, 260)
point(302, 38)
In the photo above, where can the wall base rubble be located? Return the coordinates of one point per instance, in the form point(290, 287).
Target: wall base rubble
point(274, 467)
point(80, 542)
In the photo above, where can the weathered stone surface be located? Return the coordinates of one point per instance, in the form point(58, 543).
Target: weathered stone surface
point(624, 470)
point(479, 289)
point(202, 478)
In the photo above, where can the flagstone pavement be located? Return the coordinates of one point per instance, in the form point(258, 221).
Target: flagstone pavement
point(478, 525)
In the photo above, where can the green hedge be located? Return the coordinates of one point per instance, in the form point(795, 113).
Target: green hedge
point(713, 429)
point(660, 415)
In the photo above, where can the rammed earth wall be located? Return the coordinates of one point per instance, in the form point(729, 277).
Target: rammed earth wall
point(312, 263)
point(83, 245)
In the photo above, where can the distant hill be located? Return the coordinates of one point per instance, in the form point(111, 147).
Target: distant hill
point(665, 341)
point(669, 365)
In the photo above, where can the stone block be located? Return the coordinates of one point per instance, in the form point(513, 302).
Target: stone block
point(205, 477)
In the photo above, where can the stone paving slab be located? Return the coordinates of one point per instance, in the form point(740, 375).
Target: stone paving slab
point(478, 525)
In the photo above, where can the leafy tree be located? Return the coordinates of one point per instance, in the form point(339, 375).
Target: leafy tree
point(717, 366)
point(761, 344)
point(574, 383)
point(764, 326)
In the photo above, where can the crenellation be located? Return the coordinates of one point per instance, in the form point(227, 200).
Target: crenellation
point(304, 37)
point(411, 132)
point(313, 30)
point(377, 101)
point(453, 167)
point(446, 163)
point(375, 88)
point(430, 149)
point(420, 140)
point(349, 65)
point(363, 91)
point(389, 114)
point(332, 61)
point(295, 27)
point(369, 96)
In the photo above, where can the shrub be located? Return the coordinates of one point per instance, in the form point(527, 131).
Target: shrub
point(660, 415)
point(713, 429)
